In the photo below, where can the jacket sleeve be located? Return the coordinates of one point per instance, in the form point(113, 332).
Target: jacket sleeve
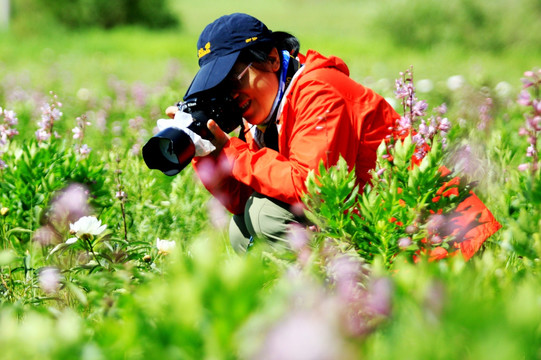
point(321, 130)
point(475, 224)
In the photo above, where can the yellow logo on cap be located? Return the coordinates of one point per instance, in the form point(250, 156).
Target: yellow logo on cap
point(204, 51)
point(251, 39)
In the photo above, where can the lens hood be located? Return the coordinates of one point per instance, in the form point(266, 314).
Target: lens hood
point(169, 151)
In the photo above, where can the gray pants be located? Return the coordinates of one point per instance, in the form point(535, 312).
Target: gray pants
point(264, 219)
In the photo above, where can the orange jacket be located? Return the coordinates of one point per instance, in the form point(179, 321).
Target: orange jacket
point(324, 114)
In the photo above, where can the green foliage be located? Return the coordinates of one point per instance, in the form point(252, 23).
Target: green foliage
point(466, 311)
point(398, 204)
point(471, 23)
point(111, 13)
point(36, 173)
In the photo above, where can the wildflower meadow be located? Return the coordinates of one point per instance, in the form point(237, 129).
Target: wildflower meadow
point(102, 258)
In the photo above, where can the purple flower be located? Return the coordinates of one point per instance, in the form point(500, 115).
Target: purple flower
point(535, 123)
point(418, 138)
point(42, 135)
point(404, 242)
point(419, 109)
point(530, 151)
point(402, 90)
point(77, 132)
point(435, 223)
point(84, 150)
point(70, 205)
point(442, 109)
point(297, 236)
point(379, 297)
point(49, 114)
point(444, 125)
point(120, 195)
point(404, 123)
point(46, 235)
point(10, 117)
point(436, 239)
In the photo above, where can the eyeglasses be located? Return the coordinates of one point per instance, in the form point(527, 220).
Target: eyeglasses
point(235, 81)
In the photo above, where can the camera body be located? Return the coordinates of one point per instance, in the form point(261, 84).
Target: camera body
point(172, 149)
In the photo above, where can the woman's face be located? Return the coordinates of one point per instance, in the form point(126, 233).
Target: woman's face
point(255, 87)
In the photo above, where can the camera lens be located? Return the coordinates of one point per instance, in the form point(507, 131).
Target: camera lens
point(169, 151)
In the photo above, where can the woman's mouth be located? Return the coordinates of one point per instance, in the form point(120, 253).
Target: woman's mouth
point(244, 105)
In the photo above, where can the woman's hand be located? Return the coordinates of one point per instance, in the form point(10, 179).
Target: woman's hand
point(220, 138)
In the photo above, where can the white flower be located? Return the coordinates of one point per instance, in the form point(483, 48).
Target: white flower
point(504, 89)
point(425, 85)
point(455, 82)
point(88, 225)
point(165, 246)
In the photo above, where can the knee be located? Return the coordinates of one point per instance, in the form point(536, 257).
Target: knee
point(239, 237)
point(267, 219)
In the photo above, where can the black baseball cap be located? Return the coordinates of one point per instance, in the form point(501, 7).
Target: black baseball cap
point(219, 46)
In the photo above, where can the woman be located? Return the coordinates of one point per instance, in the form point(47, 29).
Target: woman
point(298, 109)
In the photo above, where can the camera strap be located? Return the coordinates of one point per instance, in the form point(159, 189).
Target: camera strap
point(268, 136)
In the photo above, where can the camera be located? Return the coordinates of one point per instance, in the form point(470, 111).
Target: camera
point(172, 149)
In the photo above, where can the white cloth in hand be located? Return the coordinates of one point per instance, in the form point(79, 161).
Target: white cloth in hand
point(181, 121)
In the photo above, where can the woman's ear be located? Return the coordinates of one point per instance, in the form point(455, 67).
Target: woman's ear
point(274, 60)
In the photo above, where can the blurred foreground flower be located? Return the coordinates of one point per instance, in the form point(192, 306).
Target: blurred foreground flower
point(46, 235)
point(85, 227)
point(69, 205)
point(49, 279)
point(165, 246)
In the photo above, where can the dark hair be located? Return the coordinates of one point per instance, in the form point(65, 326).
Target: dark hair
point(280, 40)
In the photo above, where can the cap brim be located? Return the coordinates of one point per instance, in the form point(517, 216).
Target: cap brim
point(212, 73)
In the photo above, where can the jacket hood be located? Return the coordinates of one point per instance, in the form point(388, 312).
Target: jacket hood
point(314, 60)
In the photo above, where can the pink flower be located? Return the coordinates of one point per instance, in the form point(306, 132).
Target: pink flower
point(524, 98)
point(49, 279)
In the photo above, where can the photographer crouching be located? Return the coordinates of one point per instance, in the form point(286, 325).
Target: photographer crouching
point(294, 110)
